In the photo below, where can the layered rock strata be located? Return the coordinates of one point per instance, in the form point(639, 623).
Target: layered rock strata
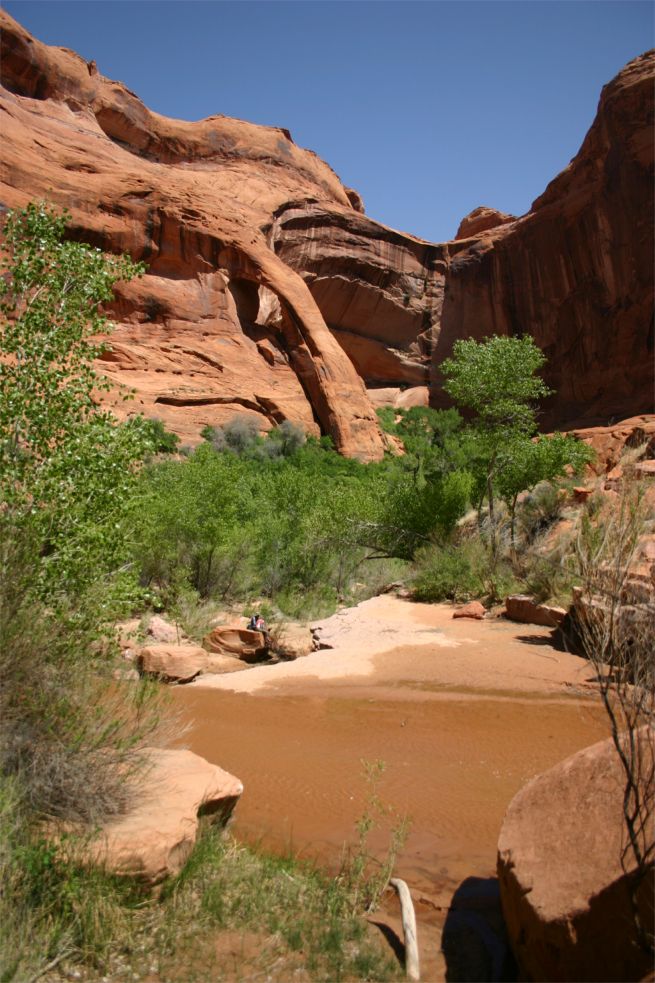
point(269, 293)
point(576, 272)
point(219, 324)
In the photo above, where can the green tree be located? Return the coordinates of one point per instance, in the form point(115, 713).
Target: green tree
point(522, 464)
point(497, 381)
point(66, 466)
point(67, 474)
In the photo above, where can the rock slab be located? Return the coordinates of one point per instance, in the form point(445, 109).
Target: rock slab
point(172, 663)
point(564, 889)
point(523, 608)
point(154, 840)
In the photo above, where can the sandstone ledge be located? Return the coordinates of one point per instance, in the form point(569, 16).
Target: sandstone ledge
point(154, 840)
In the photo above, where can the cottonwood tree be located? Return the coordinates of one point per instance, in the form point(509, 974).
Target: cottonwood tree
point(67, 469)
point(497, 381)
point(66, 465)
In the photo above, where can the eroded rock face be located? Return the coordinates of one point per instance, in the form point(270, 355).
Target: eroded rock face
point(564, 887)
point(219, 324)
point(610, 442)
point(481, 220)
point(269, 293)
point(576, 271)
point(380, 291)
point(237, 643)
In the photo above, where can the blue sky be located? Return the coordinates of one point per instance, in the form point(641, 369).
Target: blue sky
point(427, 108)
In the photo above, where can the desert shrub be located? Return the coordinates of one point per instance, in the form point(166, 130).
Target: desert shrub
point(69, 733)
point(286, 439)
point(459, 571)
point(539, 510)
point(614, 625)
point(446, 573)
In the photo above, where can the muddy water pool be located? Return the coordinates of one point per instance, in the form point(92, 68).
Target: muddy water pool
point(453, 761)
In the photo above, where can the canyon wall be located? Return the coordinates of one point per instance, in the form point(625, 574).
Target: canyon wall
point(269, 292)
point(577, 271)
point(219, 325)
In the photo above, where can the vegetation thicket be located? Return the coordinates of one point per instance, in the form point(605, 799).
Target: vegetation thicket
point(70, 731)
point(101, 518)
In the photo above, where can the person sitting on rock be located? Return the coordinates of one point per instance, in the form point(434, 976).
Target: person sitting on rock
point(257, 623)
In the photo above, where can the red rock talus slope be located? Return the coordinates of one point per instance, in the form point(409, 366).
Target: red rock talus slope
point(270, 293)
point(219, 324)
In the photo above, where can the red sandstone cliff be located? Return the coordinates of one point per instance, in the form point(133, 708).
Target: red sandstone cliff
point(219, 324)
point(269, 292)
point(577, 271)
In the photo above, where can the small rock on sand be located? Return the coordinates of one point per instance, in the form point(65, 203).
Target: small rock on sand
point(472, 610)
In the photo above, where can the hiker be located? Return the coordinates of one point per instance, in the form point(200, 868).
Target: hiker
point(257, 623)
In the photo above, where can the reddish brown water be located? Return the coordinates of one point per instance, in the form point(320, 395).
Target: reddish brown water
point(453, 763)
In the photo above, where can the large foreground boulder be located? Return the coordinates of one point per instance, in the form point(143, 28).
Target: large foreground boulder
point(565, 872)
point(155, 838)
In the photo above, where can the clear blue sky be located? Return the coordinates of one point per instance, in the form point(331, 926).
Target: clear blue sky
point(427, 108)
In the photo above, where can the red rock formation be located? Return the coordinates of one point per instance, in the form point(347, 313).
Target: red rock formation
point(154, 839)
point(380, 291)
point(270, 293)
point(577, 271)
point(219, 324)
point(610, 442)
point(481, 220)
point(564, 872)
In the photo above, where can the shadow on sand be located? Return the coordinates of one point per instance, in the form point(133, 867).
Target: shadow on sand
point(474, 941)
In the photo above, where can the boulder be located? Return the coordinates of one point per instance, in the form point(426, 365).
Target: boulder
point(471, 610)
point(218, 664)
point(582, 494)
point(161, 630)
point(523, 608)
point(294, 641)
point(154, 839)
point(563, 882)
point(239, 643)
point(172, 663)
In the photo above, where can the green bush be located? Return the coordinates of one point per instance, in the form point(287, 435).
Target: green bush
point(446, 573)
point(461, 571)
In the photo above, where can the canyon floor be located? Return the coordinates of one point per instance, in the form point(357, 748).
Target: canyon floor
point(463, 713)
